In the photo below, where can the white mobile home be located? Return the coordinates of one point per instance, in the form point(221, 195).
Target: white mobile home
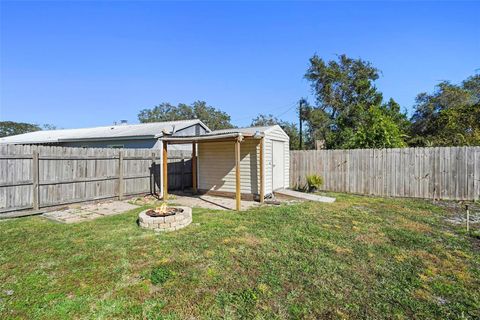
point(247, 162)
point(142, 135)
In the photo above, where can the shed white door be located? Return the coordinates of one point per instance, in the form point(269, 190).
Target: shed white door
point(278, 162)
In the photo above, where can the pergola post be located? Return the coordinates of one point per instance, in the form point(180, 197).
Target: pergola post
point(194, 168)
point(165, 170)
point(238, 195)
point(262, 172)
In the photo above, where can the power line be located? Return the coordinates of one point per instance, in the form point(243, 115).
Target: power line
point(293, 106)
point(290, 106)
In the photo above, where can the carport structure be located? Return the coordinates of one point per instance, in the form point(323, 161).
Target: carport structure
point(233, 139)
point(249, 163)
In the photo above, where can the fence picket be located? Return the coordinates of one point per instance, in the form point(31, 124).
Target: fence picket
point(442, 172)
point(33, 177)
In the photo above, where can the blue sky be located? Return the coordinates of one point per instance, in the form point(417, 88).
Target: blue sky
point(78, 64)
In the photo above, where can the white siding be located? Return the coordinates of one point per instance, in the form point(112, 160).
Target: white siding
point(268, 165)
point(216, 166)
point(287, 164)
point(275, 133)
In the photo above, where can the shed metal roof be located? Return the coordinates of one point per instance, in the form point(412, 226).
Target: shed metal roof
point(113, 132)
point(245, 131)
point(201, 138)
point(255, 132)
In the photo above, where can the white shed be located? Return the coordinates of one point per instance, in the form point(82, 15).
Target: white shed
point(246, 162)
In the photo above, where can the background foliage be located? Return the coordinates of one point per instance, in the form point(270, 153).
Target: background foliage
point(348, 112)
point(289, 127)
point(11, 128)
point(214, 118)
point(450, 116)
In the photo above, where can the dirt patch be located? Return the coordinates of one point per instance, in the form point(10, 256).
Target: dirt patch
point(457, 213)
point(462, 219)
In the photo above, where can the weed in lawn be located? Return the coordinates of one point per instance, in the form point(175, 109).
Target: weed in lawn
point(241, 302)
point(159, 275)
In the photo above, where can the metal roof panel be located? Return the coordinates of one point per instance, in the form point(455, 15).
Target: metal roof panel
point(147, 130)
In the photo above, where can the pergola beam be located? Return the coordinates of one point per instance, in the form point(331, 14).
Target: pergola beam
point(238, 195)
point(194, 168)
point(165, 170)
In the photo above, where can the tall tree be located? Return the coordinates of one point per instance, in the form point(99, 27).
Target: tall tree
point(347, 100)
point(318, 124)
point(212, 117)
point(392, 109)
point(289, 128)
point(450, 116)
point(377, 129)
point(11, 128)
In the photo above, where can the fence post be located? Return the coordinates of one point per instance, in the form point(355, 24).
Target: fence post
point(35, 181)
point(120, 175)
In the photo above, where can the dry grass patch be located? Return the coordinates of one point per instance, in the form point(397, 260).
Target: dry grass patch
point(371, 238)
point(413, 225)
point(244, 239)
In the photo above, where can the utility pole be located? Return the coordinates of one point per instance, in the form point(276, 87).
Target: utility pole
point(300, 122)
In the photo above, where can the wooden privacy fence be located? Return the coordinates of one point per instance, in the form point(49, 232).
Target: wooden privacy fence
point(35, 177)
point(451, 173)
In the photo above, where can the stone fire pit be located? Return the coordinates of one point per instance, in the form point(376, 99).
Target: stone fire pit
point(165, 218)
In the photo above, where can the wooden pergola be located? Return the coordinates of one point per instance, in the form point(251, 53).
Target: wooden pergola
point(235, 137)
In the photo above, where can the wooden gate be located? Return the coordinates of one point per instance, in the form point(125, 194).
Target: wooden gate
point(179, 172)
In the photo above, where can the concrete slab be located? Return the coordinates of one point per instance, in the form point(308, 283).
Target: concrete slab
point(89, 211)
point(210, 202)
point(108, 208)
point(304, 196)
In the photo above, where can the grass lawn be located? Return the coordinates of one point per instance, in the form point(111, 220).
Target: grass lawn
point(360, 257)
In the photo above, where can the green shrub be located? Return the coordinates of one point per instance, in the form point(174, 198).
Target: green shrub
point(314, 182)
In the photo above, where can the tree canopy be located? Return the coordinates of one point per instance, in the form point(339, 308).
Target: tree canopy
point(450, 116)
point(212, 117)
point(289, 128)
point(376, 130)
point(11, 128)
point(349, 112)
